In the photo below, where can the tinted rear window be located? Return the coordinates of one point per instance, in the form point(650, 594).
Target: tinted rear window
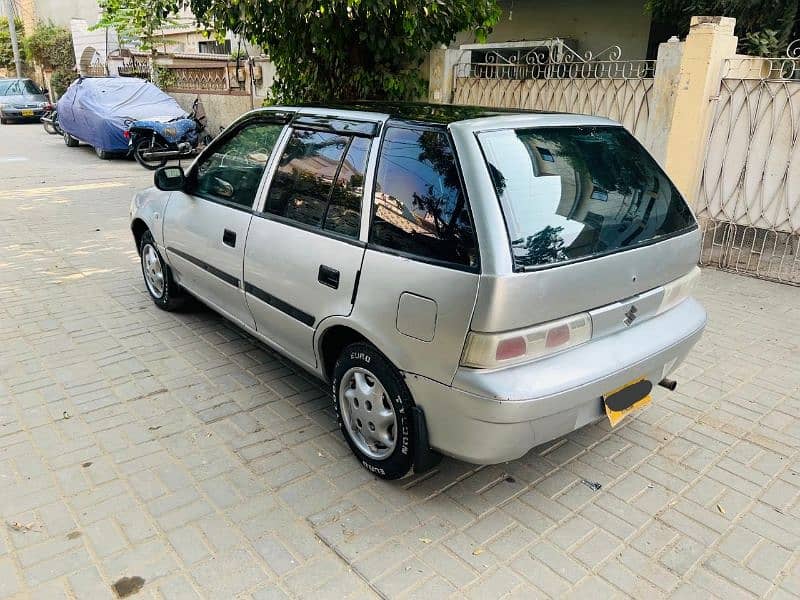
point(420, 207)
point(573, 192)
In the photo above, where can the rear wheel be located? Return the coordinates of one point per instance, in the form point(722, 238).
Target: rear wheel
point(102, 154)
point(70, 141)
point(143, 145)
point(374, 408)
point(3, 121)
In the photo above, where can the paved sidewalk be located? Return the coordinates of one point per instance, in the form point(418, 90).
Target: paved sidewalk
point(173, 455)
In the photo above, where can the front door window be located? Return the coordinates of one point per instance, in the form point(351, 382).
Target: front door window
point(232, 173)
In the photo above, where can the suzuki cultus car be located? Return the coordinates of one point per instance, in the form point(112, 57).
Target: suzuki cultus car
point(468, 282)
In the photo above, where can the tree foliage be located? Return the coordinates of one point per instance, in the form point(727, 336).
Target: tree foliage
point(764, 27)
point(6, 51)
point(51, 46)
point(138, 22)
point(327, 50)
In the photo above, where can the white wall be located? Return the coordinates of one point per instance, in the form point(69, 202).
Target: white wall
point(61, 12)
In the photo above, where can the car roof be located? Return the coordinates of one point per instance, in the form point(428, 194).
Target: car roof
point(441, 115)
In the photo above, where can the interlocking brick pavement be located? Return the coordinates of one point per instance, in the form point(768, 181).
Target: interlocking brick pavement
point(175, 448)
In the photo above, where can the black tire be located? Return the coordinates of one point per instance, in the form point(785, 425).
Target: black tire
point(102, 154)
point(365, 356)
point(172, 297)
point(141, 146)
point(3, 121)
point(70, 141)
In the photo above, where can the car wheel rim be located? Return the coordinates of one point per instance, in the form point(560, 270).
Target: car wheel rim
point(153, 271)
point(367, 413)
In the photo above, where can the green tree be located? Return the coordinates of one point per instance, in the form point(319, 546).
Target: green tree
point(6, 52)
point(51, 46)
point(764, 27)
point(138, 22)
point(347, 49)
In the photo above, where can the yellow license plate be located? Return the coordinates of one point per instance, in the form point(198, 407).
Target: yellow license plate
point(27, 113)
point(627, 399)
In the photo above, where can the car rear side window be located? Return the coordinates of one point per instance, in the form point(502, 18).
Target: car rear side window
point(569, 193)
point(344, 210)
point(420, 207)
point(319, 179)
point(232, 172)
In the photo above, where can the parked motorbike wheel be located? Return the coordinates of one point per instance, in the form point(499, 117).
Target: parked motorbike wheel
point(140, 147)
point(50, 123)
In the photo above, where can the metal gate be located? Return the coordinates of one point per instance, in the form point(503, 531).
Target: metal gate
point(749, 200)
point(549, 75)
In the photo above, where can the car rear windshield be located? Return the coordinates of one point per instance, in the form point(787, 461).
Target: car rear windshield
point(570, 193)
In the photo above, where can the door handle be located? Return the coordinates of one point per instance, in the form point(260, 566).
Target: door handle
point(229, 238)
point(328, 276)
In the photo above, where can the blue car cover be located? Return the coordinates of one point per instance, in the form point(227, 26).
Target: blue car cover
point(97, 110)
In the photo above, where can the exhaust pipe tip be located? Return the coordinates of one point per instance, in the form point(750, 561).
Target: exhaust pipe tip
point(670, 384)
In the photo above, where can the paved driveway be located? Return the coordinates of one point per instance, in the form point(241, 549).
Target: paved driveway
point(173, 455)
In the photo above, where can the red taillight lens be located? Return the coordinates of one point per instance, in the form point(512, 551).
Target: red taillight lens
point(558, 336)
point(511, 348)
point(127, 134)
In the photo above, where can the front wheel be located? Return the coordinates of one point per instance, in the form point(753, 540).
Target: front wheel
point(166, 294)
point(374, 408)
point(141, 146)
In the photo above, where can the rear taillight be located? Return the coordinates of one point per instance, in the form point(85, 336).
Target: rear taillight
point(510, 348)
point(126, 134)
point(491, 350)
point(677, 291)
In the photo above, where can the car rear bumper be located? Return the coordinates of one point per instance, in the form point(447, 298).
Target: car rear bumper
point(491, 417)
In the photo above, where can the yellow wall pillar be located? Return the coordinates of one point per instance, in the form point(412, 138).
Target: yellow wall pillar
point(710, 42)
point(26, 9)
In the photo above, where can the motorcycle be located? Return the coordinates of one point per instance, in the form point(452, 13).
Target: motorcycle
point(154, 142)
point(50, 122)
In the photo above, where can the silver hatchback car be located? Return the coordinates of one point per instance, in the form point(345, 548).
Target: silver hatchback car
point(469, 282)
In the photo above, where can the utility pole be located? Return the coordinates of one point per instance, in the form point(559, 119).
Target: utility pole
point(12, 29)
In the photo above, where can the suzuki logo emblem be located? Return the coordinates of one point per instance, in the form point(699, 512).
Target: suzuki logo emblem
point(630, 316)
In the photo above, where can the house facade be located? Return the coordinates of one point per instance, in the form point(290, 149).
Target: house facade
point(585, 25)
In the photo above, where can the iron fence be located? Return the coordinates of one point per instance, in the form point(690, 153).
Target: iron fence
point(749, 199)
point(135, 67)
point(554, 77)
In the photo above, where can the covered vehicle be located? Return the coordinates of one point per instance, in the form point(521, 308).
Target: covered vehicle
point(22, 99)
point(99, 110)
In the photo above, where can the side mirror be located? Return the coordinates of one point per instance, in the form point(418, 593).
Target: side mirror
point(170, 179)
point(45, 91)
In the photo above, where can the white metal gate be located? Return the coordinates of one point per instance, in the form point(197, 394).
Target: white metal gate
point(749, 200)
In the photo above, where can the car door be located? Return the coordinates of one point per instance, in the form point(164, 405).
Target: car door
point(303, 251)
point(205, 226)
